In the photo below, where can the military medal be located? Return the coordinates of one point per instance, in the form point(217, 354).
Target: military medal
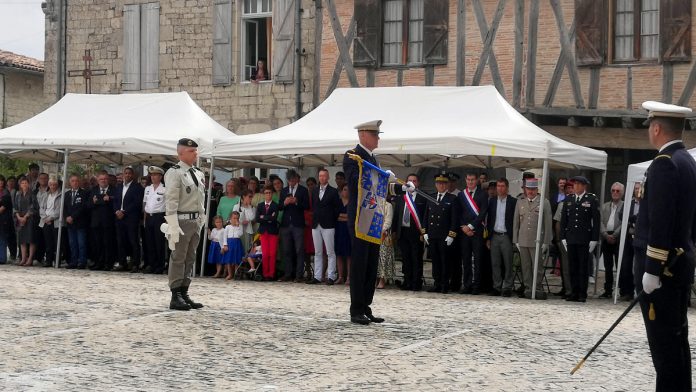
point(188, 189)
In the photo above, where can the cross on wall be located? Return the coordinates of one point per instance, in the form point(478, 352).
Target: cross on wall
point(87, 72)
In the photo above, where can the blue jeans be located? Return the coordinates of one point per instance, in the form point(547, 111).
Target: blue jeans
point(3, 248)
point(78, 246)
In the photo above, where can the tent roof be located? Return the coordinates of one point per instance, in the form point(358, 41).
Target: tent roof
point(120, 129)
point(423, 126)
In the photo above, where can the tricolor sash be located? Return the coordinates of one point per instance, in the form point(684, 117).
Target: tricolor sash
point(408, 202)
point(470, 202)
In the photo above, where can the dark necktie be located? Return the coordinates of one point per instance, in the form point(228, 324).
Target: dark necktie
point(267, 205)
point(439, 197)
point(193, 176)
point(73, 197)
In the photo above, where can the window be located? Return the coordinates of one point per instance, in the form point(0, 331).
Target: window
point(397, 32)
point(636, 30)
point(256, 36)
point(140, 46)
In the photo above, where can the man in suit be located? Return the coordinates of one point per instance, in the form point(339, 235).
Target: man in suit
point(409, 237)
point(474, 205)
point(326, 205)
point(294, 200)
point(75, 212)
point(626, 285)
point(524, 233)
point(580, 224)
point(439, 231)
point(128, 209)
point(664, 247)
point(501, 210)
point(102, 223)
point(610, 230)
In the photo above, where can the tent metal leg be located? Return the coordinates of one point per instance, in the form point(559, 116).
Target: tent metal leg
point(540, 224)
point(622, 237)
point(204, 237)
point(56, 263)
point(598, 250)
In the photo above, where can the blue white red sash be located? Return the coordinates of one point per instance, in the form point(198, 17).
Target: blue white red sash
point(470, 202)
point(408, 202)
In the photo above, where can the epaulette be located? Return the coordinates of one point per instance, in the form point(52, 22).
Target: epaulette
point(196, 168)
point(176, 167)
point(352, 151)
point(662, 156)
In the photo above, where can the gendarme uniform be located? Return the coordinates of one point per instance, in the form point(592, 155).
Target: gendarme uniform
point(184, 199)
point(154, 208)
point(664, 249)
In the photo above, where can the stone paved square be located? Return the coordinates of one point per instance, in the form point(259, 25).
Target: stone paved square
point(79, 330)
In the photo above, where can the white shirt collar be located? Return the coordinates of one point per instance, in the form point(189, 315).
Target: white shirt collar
point(580, 195)
point(669, 144)
point(366, 149)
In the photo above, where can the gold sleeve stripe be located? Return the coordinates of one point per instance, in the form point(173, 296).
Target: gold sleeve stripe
point(657, 254)
point(663, 156)
point(452, 234)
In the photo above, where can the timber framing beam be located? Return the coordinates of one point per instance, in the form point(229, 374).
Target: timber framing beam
point(488, 37)
point(343, 43)
point(567, 40)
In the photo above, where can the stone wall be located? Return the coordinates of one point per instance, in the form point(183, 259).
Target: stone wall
point(21, 96)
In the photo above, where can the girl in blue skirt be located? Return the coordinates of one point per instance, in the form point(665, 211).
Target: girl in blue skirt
point(233, 248)
point(217, 239)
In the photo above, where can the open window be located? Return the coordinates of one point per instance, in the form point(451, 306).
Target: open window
point(256, 23)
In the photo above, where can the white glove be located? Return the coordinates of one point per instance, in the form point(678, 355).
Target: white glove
point(425, 239)
point(202, 220)
point(408, 187)
point(392, 176)
point(544, 248)
point(593, 245)
point(651, 283)
point(172, 230)
point(518, 246)
point(565, 244)
point(449, 240)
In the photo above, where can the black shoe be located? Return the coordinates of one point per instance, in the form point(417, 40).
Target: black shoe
point(135, 269)
point(361, 319)
point(404, 287)
point(494, 293)
point(558, 293)
point(445, 290)
point(120, 268)
point(507, 293)
point(189, 301)
point(147, 270)
point(465, 290)
point(573, 298)
point(81, 266)
point(435, 289)
point(417, 288)
point(46, 264)
point(475, 292)
point(626, 297)
point(330, 282)
point(606, 294)
point(95, 267)
point(177, 302)
point(582, 299)
point(374, 319)
point(71, 266)
point(314, 281)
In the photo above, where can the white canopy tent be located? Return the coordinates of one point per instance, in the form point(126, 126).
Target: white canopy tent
point(423, 126)
point(636, 174)
point(116, 129)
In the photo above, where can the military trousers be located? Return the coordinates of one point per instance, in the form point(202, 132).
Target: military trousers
point(527, 264)
point(183, 257)
point(579, 260)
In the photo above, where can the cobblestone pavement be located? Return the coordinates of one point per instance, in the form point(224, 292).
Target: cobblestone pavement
point(79, 330)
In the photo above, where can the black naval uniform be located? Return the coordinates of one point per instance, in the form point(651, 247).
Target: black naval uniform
point(441, 221)
point(364, 255)
point(580, 225)
point(664, 247)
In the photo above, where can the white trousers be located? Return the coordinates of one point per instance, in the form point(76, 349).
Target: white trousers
point(324, 238)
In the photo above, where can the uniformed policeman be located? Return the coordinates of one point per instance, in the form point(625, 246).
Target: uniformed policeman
point(664, 246)
point(185, 216)
point(365, 255)
point(580, 224)
point(154, 209)
point(440, 230)
point(524, 231)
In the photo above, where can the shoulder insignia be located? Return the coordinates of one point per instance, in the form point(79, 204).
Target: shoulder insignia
point(176, 167)
point(662, 156)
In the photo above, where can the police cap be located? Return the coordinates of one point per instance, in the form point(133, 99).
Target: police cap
point(659, 109)
point(370, 126)
point(155, 170)
point(580, 179)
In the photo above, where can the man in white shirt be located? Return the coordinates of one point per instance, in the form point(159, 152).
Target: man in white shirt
point(610, 231)
point(326, 205)
point(154, 209)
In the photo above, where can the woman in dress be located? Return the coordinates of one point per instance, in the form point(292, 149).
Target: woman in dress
point(25, 211)
point(342, 240)
point(5, 219)
point(260, 73)
point(385, 268)
point(227, 202)
point(254, 186)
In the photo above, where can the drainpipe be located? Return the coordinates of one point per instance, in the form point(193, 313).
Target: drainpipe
point(298, 59)
point(62, 13)
point(4, 104)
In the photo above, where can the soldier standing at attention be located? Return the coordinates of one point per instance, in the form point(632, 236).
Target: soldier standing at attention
point(664, 246)
point(579, 235)
point(185, 216)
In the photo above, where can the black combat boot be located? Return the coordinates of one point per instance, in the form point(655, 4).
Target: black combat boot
point(189, 301)
point(178, 302)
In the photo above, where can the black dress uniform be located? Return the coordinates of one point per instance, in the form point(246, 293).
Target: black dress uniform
point(664, 247)
point(580, 224)
point(441, 221)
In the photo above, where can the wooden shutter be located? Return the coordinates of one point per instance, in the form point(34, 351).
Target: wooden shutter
point(435, 31)
point(149, 45)
point(675, 30)
point(367, 44)
point(284, 41)
point(222, 42)
point(131, 47)
point(590, 32)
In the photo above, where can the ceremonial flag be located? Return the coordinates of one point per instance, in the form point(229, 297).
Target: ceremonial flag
point(372, 194)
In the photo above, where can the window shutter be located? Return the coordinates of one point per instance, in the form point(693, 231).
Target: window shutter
point(590, 32)
point(284, 40)
point(149, 45)
point(367, 45)
point(131, 47)
point(435, 30)
point(222, 42)
point(675, 30)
